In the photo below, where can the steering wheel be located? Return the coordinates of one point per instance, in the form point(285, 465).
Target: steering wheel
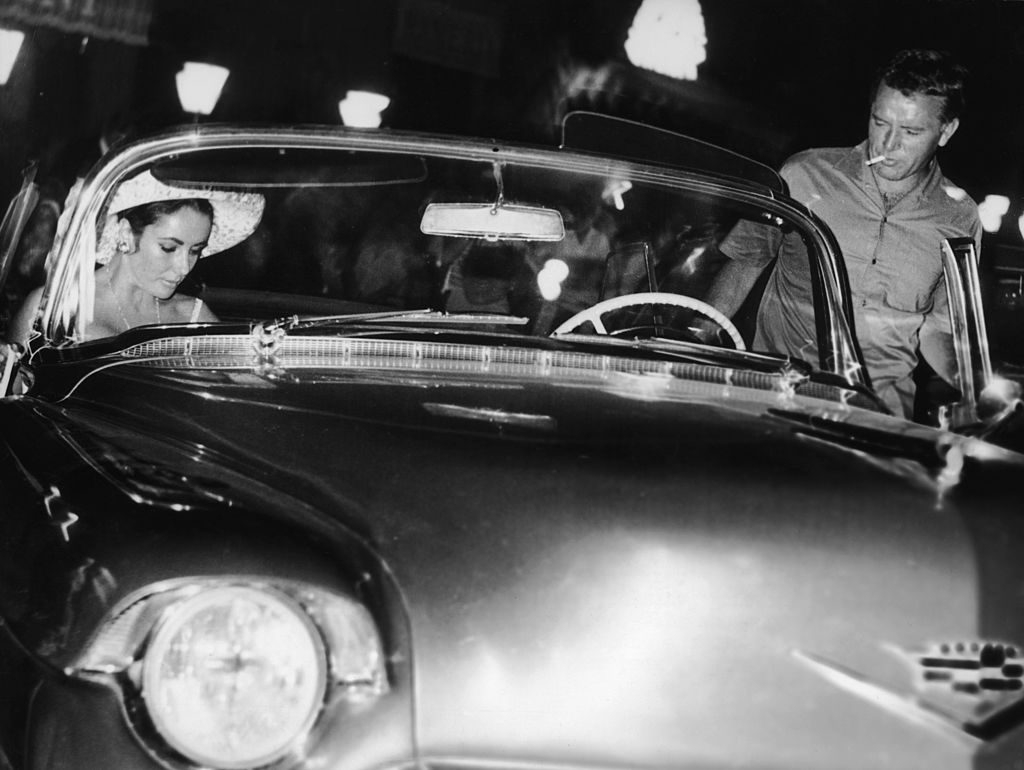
point(594, 312)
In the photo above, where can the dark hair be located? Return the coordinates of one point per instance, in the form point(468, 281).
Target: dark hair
point(140, 217)
point(921, 71)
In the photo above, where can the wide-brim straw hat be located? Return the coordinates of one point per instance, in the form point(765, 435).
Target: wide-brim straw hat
point(235, 214)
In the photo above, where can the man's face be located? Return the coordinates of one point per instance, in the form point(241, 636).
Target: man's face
point(908, 130)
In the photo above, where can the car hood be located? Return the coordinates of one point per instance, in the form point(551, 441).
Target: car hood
point(614, 577)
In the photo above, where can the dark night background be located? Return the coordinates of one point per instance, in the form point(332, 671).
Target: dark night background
point(780, 75)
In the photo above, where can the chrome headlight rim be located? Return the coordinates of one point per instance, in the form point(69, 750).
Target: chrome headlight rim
point(134, 621)
point(161, 645)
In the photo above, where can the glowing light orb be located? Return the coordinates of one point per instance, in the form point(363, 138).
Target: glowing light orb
point(10, 44)
point(668, 37)
point(991, 211)
point(199, 86)
point(362, 108)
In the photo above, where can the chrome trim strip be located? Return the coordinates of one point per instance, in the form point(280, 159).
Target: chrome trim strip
point(967, 317)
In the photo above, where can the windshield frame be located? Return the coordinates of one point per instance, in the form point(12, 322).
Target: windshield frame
point(840, 354)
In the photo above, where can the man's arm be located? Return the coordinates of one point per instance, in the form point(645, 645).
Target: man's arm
point(727, 292)
point(732, 286)
point(936, 348)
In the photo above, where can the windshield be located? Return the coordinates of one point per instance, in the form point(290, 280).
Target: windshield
point(349, 231)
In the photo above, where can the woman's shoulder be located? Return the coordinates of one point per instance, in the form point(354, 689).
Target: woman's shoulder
point(180, 307)
point(185, 308)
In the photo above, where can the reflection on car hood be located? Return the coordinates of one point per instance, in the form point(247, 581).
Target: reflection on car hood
point(705, 575)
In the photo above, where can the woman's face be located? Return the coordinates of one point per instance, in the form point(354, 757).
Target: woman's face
point(167, 250)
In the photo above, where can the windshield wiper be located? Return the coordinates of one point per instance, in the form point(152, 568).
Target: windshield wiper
point(424, 316)
point(696, 352)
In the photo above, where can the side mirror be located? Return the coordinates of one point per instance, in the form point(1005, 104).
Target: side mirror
point(999, 398)
point(1002, 412)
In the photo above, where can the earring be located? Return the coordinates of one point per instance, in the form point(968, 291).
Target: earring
point(122, 246)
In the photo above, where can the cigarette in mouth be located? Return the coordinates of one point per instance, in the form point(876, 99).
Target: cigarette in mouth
point(874, 160)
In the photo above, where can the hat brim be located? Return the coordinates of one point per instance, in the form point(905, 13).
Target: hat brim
point(236, 215)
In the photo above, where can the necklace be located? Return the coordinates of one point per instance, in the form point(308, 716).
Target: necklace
point(120, 308)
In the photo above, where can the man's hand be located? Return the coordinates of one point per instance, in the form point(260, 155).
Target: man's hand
point(707, 332)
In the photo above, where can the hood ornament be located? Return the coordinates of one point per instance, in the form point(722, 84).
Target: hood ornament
point(267, 340)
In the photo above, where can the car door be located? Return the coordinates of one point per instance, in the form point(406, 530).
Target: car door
point(990, 405)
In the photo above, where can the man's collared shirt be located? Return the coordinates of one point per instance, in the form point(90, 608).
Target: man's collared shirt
point(893, 261)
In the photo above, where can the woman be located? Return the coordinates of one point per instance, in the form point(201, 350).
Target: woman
point(152, 238)
point(158, 244)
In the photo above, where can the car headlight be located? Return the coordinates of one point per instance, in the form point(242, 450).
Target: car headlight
point(234, 675)
point(234, 672)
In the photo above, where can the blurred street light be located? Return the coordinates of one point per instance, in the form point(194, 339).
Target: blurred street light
point(10, 44)
point(550, 278)
point(362, 108)
point(614, 192)
point(668, 37)
point(991, 211)
point(199, 86)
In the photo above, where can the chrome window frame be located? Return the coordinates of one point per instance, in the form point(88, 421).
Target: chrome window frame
point(840, 356)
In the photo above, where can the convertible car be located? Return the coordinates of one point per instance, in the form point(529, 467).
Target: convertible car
point(451, 483)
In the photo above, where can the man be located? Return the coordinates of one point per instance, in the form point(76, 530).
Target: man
point(889, 206)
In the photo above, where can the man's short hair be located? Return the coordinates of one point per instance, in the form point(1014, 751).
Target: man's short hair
point(921, 71)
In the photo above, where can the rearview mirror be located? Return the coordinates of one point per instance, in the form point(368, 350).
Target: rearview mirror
point(493, 221)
